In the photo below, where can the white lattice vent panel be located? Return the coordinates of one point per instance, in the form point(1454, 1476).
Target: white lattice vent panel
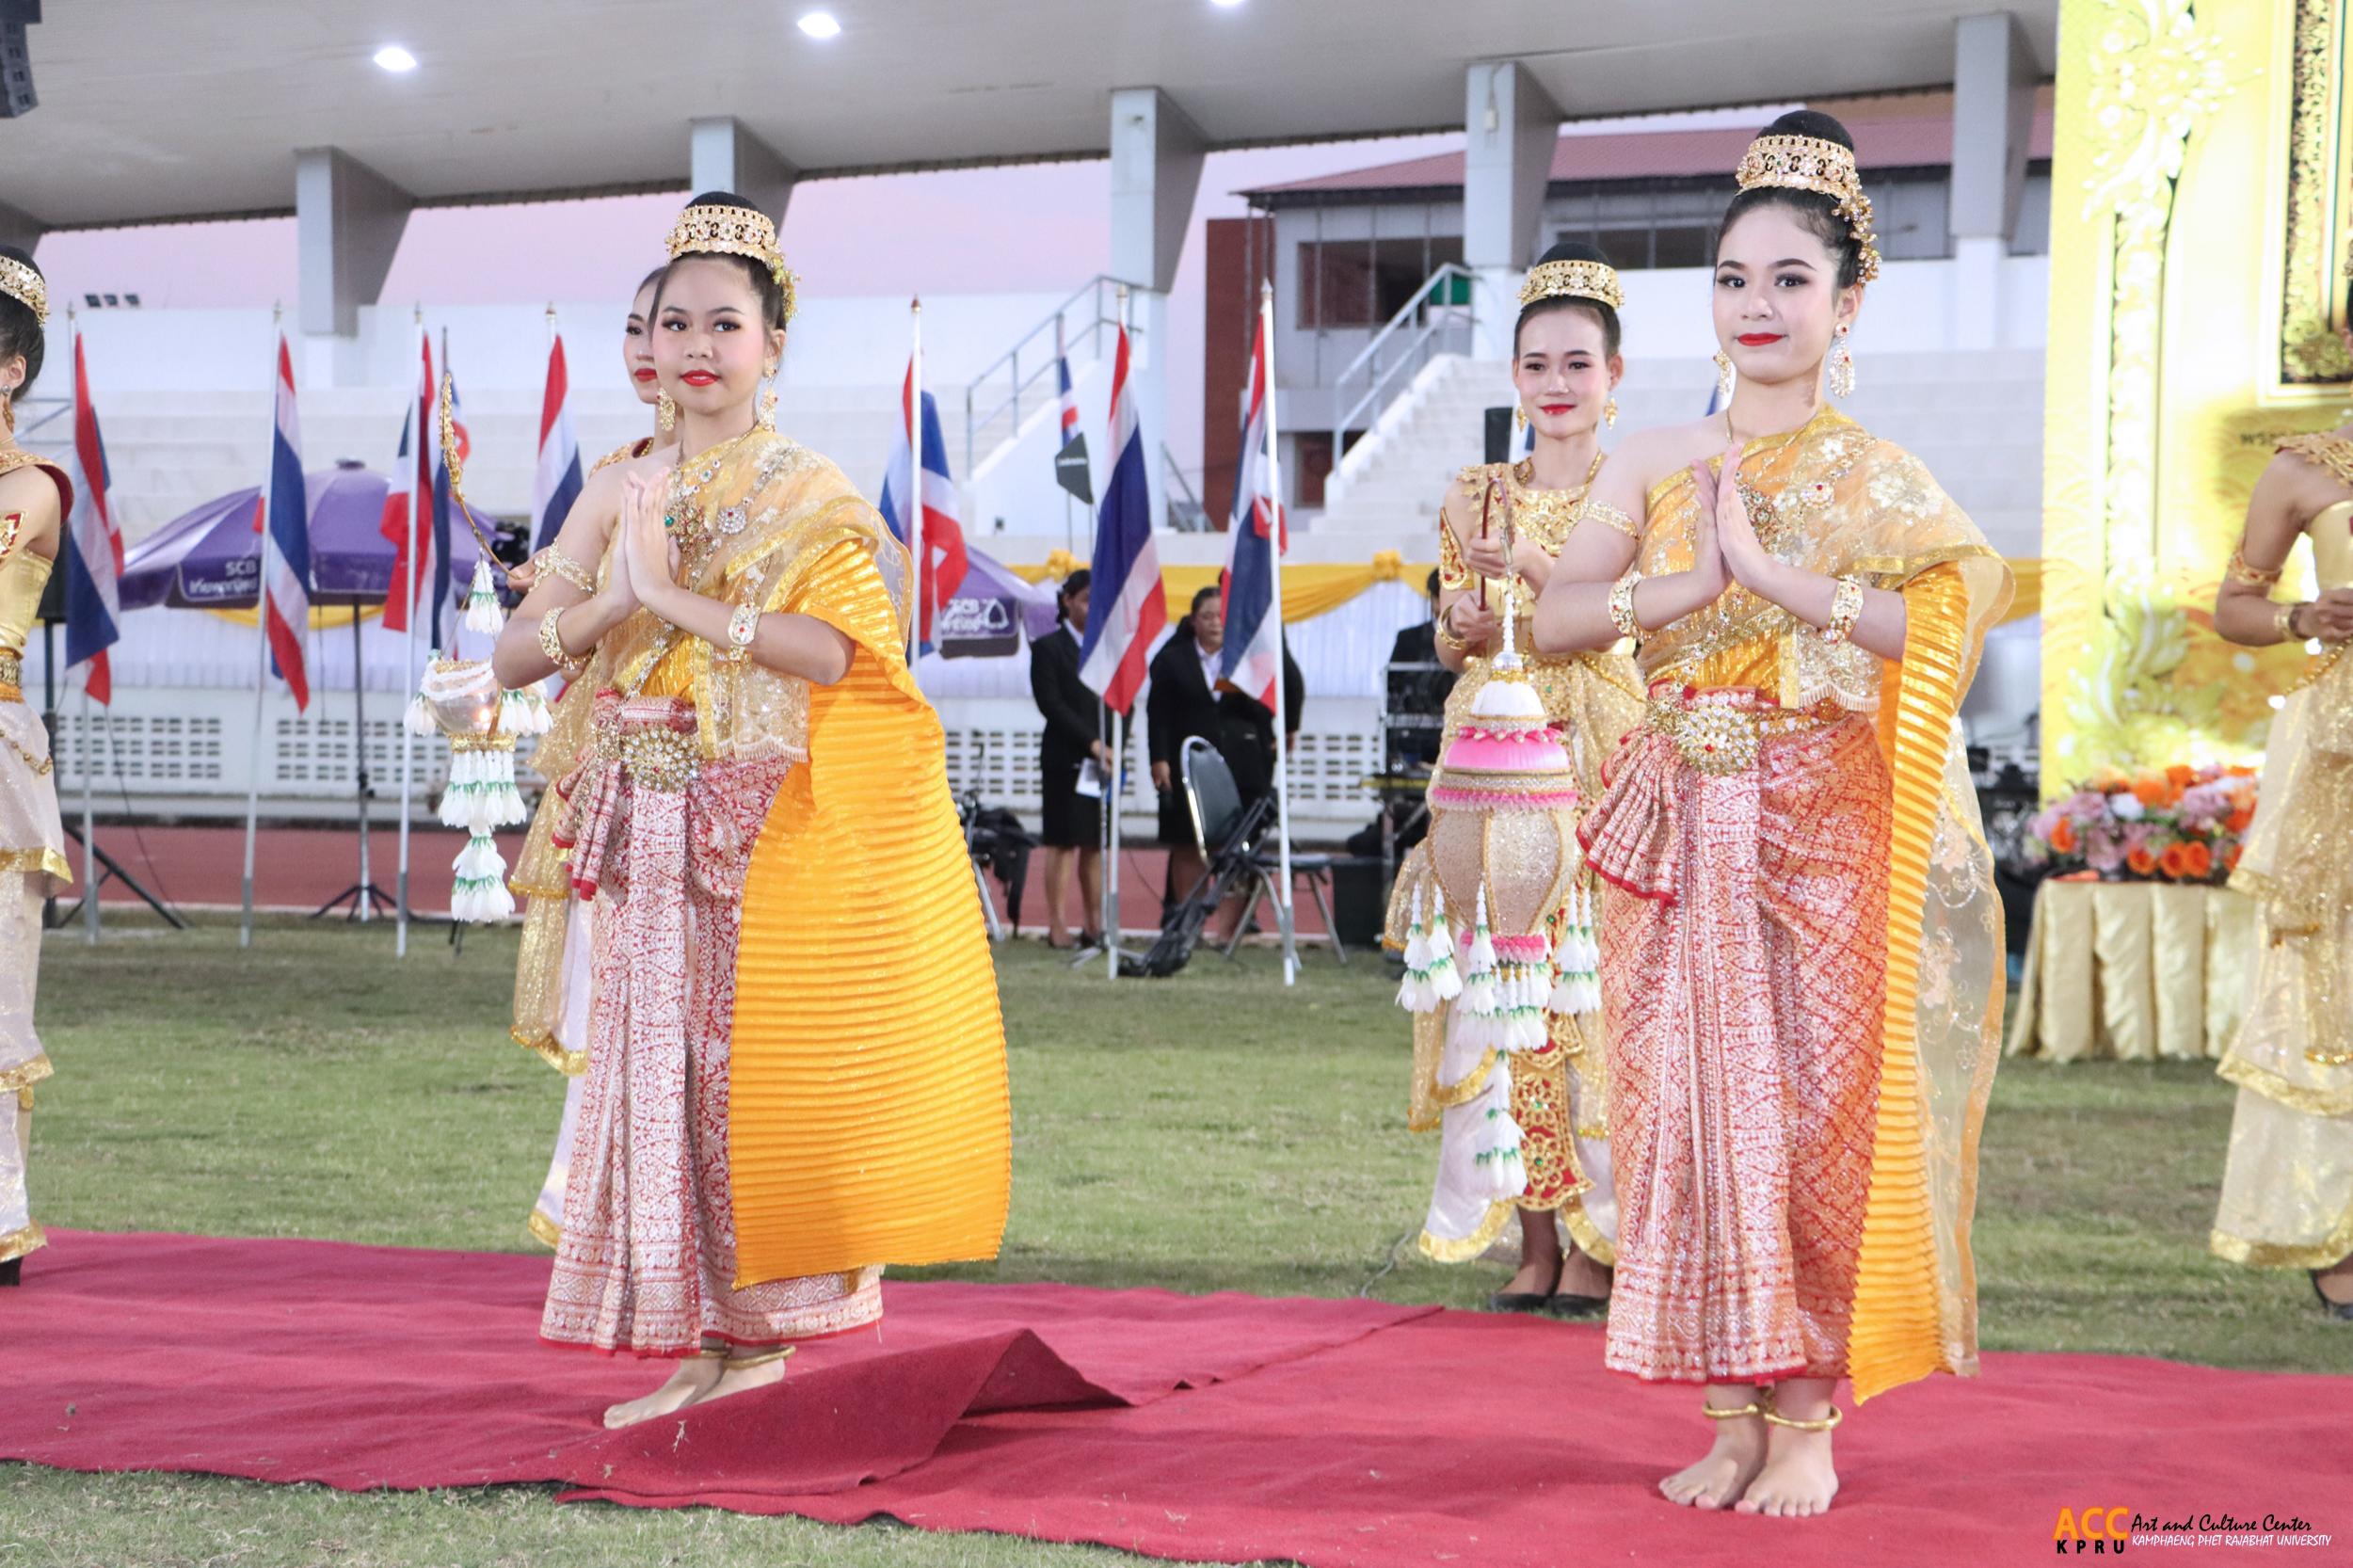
point(145, 751)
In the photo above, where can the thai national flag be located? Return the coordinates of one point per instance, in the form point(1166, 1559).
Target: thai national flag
point(1126, 607)
point(942, 572)
point(1253, 658)
point(93, 546)
point(438, 584)
point(558, 483)
point(1069, 397)
point(283, 520)
point(413, 478)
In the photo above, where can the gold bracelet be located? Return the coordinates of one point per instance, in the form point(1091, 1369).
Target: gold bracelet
point(1846, 608)
point(551, 643)
point(2237, 570)
point(2283, 620)
point(554, 562)
point(743, 626)
point(1621, 604)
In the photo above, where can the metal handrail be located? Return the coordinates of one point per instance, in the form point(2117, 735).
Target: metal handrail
point(1424, 317)
point(1101, 296)
point(1186, 515)
point(28, 428)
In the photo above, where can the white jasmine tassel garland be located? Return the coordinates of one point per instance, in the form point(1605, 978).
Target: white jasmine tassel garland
point(482, 603)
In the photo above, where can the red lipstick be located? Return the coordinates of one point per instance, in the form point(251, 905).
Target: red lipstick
point(1757, 339)
point(699, 379)
point(644, 372)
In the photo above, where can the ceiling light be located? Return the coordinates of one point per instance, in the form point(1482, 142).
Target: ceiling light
point(1225, 5)
point(395, 59)
point(820, 24)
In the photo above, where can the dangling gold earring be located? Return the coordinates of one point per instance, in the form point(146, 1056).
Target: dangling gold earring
point(665, 413)
point(1519, 418)
point(1723, 379)
point(1841, 365)
point(1610, 413)
point(768, 400)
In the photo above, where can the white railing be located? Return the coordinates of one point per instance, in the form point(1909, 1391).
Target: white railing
point(1442, 317)
point(995, 397)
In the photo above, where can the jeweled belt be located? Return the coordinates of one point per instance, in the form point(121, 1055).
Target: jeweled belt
point(1721, 733)
point(11, 678)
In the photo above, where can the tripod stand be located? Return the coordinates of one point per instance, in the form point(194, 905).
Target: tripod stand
point(366, 898)
point(110, 867)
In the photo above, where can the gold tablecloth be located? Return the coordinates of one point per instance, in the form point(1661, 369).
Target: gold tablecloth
point(2134, 971)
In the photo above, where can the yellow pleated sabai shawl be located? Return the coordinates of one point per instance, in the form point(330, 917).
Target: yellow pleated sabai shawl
point(868, 1121)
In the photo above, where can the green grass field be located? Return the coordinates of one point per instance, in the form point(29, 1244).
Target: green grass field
point(1209, 1132)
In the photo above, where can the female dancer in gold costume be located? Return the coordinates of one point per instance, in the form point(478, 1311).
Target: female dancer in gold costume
point(796, 1062)
point(2287, 1192)
point(551, 973)
point(34, 497)
point(1800, 949)
point(1566, 364)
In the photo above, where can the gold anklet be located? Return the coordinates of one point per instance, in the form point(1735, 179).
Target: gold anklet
point(736, 1363)
point(1825, 1423)
point(1715, 1414)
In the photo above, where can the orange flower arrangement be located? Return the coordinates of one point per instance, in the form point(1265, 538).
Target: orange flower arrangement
point(2178, 824)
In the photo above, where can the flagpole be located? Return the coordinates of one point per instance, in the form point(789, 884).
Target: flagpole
point(261, 628)
point(405, 587)
point(84, 752)
point(1119, 761)
point(914, 480)
point(1275, 529)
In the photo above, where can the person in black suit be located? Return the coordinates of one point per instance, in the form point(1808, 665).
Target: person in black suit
point(1426, 693)
point(1076, 722)
point(1183, 703)
point(1247, 738)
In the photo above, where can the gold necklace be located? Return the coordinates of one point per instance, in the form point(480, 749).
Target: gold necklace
point(684, 516)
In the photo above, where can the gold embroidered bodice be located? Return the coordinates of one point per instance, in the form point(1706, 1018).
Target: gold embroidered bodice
point(23, 576)
point(1543, 516)
point(2331, 528)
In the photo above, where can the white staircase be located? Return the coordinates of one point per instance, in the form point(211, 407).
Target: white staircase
point(1973, 418)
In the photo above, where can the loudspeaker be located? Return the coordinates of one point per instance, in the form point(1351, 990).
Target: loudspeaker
point(1499, 434)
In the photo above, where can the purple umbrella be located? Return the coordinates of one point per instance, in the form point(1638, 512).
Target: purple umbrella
point(211, 558)
point(990, 611)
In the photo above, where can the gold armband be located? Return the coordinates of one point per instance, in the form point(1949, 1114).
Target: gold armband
point(553, 562)
point(1610, 517)
point(1621, 604)
point(2237, 570)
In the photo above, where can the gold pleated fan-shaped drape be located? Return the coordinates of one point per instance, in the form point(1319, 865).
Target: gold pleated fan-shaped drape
point(870, 1121)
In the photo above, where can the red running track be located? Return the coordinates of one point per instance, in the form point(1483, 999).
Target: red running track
point(1213, 1428)
point(301, 868)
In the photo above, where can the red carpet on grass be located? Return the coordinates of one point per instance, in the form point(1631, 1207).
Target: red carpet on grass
point(1213, 1428)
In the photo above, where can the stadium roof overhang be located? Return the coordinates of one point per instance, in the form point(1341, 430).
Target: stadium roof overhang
point(158, 111)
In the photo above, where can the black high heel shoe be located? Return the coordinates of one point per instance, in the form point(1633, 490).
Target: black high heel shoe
point(2340, 1311)
point(1526, 1301)
point(13, 1272)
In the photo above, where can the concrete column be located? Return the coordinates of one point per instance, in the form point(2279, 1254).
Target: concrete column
point(1156, 154)
point(723, 156)
point(1510, 124)
point(349, 220)
point(21, 230)
point(1993, 82)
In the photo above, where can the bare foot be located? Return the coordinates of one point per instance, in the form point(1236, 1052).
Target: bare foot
point(742, 1376)
point(1731, 1463)
point(2336, 1284)
point(694, 1377)
point(1798, 1480)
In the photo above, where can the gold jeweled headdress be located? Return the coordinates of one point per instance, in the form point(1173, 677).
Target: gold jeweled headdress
point(1573, 280)
point(21, 282)
point(1810, 163)
point(735, 231)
